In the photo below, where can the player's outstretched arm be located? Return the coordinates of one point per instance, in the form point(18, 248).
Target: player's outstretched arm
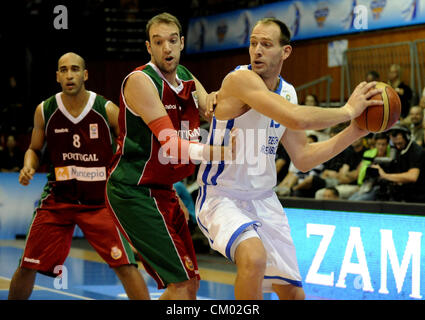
point(306, 156)
point(31, 159)
point(248, 87)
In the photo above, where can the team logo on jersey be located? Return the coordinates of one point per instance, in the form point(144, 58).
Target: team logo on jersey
point(30, 260)
point(62, 174)
point(116, 253)
point(195, 98)
point(188, 263)
point(94, 132)
point(170, 107)
point(80, 173)
point(63, 130)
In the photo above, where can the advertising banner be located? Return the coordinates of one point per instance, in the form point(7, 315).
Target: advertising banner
point(359, 256)
point(306, 19)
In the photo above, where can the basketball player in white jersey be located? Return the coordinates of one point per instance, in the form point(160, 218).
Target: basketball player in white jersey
point(237, 209)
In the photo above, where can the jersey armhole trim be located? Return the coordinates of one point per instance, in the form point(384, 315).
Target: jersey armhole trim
point(122, 90)
point(42, 112)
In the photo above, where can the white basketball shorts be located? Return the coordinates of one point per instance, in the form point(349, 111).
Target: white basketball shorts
point(227, 217)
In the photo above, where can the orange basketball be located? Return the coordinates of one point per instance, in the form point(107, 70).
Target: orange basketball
point(380, 118)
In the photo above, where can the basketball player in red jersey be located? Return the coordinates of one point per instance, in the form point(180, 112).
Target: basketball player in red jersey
point(160, 107)
point(78, 127)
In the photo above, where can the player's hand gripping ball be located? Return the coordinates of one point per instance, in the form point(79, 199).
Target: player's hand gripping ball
point(380, 118)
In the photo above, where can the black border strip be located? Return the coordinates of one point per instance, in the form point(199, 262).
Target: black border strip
point(417, 209)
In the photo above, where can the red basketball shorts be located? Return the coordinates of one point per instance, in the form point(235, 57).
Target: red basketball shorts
point(50, 234)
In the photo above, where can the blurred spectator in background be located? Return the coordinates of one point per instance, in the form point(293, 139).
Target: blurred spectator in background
point(372, 76)
point(403, 90)
point(331, 194)
point(282, 163)
point(11, 157)
point(131, 7)
point(414, 122)
point(345, 180)
point(13, 94)
point(422, 101)
point(404, 179)
point(295, 176)
point(3, 137)
point(15, 117)
point(311, 100)
point(369, 141)
point(322, 135)
point(367, 184)
point(326, 178)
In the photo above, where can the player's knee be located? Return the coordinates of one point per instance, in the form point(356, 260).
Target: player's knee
point(289, 292)
point(197, 284)
point(186, 289)
point(125, 271)
point(25, 272)
point(297, 294)
point(300, 295)
point(253, 263)
point(193, 287)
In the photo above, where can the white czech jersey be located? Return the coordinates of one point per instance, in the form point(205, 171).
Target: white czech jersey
point(258, 140)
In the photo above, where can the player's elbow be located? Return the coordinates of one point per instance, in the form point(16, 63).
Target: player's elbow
point(301, 124)
point(302, 165)
point(305, 169)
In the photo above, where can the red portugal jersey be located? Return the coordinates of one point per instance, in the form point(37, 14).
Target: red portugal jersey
point(79, 149)
point(139, 160)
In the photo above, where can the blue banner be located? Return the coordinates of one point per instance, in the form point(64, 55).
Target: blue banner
point(306, 19)
point(359, 256)
point(17, 204)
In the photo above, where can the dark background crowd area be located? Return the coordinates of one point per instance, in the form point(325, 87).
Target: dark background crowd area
point(102, 31)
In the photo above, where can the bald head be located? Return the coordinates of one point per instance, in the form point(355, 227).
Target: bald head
point(73, 57)
point(416, 115)
point(394, 73)
point(71, 73)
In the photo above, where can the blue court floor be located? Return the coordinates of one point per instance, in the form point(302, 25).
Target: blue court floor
point(86, 277)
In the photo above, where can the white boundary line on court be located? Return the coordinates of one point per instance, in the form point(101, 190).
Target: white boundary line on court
point(55, 291)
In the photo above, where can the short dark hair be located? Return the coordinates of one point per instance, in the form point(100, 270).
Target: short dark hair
point(374, 74)
point(313, 137)
point(285, 35)
point(164, 17)
point(381, 135)
point(333, 190)
point(400, 129)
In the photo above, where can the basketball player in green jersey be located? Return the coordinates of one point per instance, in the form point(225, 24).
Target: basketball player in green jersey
point(77, 126)
point(160, 107)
